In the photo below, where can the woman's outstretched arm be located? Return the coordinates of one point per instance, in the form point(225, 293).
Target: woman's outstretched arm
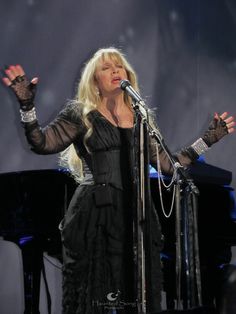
point(57, 135)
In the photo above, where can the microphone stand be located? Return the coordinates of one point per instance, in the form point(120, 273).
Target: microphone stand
point(187, 264)
point(140, 215)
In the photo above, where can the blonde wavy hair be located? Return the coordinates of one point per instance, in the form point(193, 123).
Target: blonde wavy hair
point(87, 99)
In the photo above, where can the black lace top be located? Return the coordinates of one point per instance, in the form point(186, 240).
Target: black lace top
point(69, 128)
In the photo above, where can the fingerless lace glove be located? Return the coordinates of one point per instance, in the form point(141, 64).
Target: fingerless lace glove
point(24, 91)
point(217, 129)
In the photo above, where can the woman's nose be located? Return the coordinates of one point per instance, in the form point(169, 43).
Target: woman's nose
point(114, 70)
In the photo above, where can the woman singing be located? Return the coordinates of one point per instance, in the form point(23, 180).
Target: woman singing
point(94, 132)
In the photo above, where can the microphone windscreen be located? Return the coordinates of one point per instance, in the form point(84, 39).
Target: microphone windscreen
point(124, 84)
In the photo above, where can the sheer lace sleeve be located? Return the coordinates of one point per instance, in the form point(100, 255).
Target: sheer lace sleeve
point(56, 136)
point(185, 157)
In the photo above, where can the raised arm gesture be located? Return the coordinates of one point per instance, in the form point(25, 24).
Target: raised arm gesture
point(23, 88)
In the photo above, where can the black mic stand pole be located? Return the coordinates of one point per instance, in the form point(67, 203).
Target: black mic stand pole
point(187, 253)
point(140, 216)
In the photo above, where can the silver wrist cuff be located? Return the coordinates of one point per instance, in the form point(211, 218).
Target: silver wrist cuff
point(28, 116)
point(199, 146)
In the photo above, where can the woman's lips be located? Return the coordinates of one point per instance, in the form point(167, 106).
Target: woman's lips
point(116, 80)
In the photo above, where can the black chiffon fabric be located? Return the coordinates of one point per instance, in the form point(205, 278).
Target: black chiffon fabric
point(97, 230)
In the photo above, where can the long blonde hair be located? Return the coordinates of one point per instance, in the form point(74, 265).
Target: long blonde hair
point(87, 99)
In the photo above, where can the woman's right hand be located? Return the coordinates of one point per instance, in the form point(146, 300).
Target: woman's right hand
point(23, 88)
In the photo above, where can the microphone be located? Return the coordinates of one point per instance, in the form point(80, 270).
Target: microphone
point(126, 86)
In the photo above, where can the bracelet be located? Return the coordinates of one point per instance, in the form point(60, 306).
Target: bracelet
point(199, 146)
point(28, 116)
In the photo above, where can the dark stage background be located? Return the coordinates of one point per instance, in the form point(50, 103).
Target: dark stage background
point(184, 52)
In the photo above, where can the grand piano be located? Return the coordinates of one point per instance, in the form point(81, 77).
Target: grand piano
point(34, 202)
point(32, 205)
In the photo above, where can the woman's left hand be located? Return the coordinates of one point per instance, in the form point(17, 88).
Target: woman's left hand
point(220, 126)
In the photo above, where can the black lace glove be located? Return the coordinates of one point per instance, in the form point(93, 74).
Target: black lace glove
point(24, 91)
point(220, 126)
point(217, 129)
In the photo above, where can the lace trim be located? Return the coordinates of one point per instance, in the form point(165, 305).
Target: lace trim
point(28, 116)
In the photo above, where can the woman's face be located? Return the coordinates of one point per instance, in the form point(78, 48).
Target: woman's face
point(108, 75)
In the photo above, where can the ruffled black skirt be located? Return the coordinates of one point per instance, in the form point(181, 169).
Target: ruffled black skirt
point(98, 268)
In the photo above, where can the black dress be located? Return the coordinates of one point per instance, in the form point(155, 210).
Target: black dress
point(97, 230)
